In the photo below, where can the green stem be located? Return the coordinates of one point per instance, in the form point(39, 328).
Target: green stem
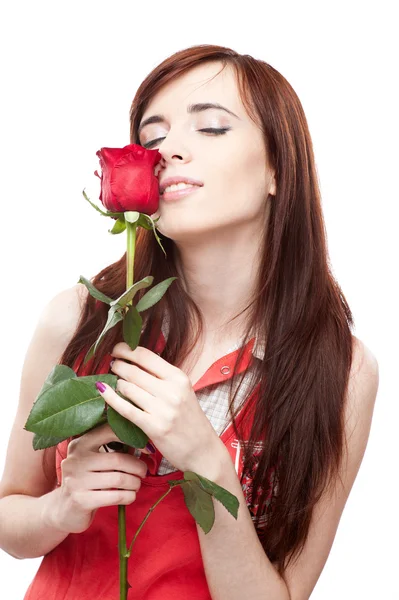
point(123, 583)
point(145, 519)
point(131, 248)
point(123, 552)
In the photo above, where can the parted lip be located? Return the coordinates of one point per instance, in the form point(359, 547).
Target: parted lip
point(177, 179)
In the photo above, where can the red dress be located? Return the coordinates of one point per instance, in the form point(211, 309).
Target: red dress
point(166, 561)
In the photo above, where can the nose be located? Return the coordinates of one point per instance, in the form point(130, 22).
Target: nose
point(173, 148)
point(168, 159)
point(166, 156)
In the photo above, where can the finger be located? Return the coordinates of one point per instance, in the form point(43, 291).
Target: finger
point(136, 394)
point(112, 480)
point(137, 376)
point(126, 409)
point(93, 499)
point(116, 461)
point(146, 359)
point(95, 438)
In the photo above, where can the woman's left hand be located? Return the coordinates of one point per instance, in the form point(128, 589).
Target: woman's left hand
point(171, 415)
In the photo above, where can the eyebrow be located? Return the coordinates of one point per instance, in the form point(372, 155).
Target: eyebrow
point(191, 108)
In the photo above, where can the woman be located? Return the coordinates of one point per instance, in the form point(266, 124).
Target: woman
point(247, 372)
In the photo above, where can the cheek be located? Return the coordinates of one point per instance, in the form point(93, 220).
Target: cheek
point(240, 180)
point(234, 191)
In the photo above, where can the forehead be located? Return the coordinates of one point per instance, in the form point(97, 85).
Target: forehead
point(204, 83)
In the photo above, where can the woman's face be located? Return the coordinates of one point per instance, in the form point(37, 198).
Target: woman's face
point(232, 166)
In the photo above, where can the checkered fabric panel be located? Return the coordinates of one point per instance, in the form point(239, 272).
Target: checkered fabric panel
point(214, 401)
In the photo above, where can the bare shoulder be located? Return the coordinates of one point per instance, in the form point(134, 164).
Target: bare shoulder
point(62, 313)
point(363, 378)
point(57, 323)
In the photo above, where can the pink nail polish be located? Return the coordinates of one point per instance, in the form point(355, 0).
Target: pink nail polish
point(100, 386)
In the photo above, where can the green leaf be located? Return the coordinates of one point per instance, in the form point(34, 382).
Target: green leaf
point(94, 291)
point(70, 407)
point(144, 222)
point(110, 378)
point(118, 227)
point(200, 504)
point(175, 482)
point(129, 294)
point(132, 216)
point(40, 442)
point(126, 431)
point(154, 294)
point(113, 318)
point(43, 441)
point(150, 220)
point(132, 324)
point(57, 374)
point(104, 214)
point(229, 501)
point(90, 353)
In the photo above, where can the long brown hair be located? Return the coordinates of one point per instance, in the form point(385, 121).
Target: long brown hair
point(298, 307)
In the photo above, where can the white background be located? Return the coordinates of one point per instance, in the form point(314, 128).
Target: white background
point(69, 73)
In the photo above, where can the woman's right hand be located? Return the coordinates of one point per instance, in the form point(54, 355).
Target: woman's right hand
point(91, 479)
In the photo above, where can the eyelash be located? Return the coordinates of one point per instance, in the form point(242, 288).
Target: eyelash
point(212, 130)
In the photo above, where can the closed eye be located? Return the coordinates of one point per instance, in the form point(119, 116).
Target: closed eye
point(211, 130)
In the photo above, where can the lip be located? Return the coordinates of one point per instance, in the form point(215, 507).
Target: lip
point(176, 194)
point(177, 179)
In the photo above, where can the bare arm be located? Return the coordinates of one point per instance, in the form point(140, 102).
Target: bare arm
point(35, 516)
point(24, 489)
point(234, 561)
point(24, 530)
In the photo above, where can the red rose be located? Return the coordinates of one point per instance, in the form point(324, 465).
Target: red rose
point(128, 182)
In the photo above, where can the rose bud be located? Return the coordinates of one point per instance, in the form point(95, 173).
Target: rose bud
point(128, 182)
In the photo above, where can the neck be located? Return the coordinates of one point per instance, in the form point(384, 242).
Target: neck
point(220, 274)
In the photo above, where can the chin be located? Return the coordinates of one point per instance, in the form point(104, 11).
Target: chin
point(184, 232)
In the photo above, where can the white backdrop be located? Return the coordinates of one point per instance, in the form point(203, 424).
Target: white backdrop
point(69, 73)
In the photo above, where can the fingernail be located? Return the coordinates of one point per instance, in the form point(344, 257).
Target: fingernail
point(111, 363)
point(150, 447)
point(100, 386)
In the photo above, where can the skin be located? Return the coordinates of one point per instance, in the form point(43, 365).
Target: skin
point(216, 246)
point(216, 229)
